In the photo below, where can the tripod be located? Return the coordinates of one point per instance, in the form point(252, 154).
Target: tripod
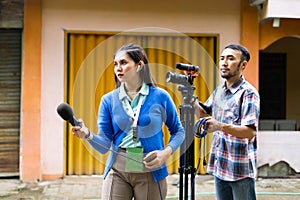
point(186, 167)
point(187, 111)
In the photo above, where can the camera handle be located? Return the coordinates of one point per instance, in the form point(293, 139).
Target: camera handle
point(187, 111)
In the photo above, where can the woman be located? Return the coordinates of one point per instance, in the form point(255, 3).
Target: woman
point(130, 120)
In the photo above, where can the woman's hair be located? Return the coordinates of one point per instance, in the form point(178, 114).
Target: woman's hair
point(137, 54)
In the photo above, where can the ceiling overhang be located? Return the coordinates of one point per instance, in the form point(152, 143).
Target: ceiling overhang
point(276, 9)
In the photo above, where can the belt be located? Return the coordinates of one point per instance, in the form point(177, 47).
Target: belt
point(122, 150)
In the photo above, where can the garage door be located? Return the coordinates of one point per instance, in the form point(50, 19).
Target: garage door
point(10, 86)
point(89, 75)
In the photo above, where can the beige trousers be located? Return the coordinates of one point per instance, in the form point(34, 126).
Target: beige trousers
point(122, 185)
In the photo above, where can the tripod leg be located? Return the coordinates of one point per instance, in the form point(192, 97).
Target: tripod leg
point(186, 184)
point(180, 183)
point(193, 172)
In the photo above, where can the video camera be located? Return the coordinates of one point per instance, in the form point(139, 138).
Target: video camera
point(180, 78)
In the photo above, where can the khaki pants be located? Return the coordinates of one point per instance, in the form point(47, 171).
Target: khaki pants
point(121, 185)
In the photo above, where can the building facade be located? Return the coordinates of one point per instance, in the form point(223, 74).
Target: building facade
point(50, 26)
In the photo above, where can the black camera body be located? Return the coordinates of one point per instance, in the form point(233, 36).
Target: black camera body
point(180, 78)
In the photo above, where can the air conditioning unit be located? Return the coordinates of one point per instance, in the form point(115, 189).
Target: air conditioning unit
point(256, 2)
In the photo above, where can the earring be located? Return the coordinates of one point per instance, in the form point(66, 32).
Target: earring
point(138, 68)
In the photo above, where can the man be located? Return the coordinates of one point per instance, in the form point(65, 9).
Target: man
point(233, 111)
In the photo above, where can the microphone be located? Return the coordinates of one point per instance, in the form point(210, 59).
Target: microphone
point(187, 67)
point(66, 112)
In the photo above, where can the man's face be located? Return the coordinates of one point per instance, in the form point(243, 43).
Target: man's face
point(230, 63)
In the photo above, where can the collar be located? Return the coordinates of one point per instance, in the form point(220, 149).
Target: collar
point(143, 91)
point(234, 88)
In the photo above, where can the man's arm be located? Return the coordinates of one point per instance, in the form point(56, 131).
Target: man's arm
point(235, 130)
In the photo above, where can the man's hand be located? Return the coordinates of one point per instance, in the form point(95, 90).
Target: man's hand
point(213, 125)
point(240, 131)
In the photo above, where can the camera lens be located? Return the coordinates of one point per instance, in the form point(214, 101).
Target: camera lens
point(177, 78)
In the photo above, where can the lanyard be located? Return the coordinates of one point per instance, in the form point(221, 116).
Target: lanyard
point(135, 116)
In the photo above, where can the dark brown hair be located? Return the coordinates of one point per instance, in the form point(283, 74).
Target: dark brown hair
point(137, 54)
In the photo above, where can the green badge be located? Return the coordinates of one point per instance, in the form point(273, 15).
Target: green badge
point(134, 160)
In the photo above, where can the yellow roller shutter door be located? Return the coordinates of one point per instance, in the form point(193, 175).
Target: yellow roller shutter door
point(89, 74)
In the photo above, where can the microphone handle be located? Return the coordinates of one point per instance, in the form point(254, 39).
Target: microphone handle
point(74, 122)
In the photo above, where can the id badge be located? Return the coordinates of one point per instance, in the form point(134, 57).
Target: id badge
point(134, 160)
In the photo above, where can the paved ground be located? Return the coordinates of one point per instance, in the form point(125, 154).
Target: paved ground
point(89, 187)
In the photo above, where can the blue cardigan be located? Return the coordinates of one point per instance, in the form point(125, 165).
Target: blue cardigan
point(114, 123)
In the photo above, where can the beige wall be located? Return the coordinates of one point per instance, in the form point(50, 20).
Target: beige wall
point(191, 16)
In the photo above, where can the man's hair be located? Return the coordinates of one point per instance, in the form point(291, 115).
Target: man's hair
point(242, 49)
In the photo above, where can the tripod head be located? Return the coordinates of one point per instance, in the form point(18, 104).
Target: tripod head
point(185, 80)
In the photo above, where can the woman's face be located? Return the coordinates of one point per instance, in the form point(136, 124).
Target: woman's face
point(125, 67)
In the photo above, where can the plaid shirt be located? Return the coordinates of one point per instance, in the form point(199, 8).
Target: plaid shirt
point(233, 158)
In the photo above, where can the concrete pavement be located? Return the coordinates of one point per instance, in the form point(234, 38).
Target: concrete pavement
point(89, 187)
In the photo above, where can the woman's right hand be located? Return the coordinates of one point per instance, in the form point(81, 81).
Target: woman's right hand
point(80, 132)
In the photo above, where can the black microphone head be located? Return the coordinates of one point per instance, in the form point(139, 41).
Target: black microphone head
point(187, 67)
point(179, 65)
point(66, 112)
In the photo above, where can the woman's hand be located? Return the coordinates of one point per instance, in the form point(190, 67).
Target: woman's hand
point(80, 132)
point(161, 158)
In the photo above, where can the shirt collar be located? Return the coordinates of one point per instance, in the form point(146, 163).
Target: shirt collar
point(143, 91)
point(234, 88)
